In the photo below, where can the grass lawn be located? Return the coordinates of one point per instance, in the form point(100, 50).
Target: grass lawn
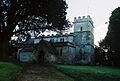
point(8, 71)
point(90, 73)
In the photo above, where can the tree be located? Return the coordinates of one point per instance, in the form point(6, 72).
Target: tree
point(21, 17)
point(100, 56)
point(112, 39)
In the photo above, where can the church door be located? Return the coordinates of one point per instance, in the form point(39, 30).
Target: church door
point(41, 56)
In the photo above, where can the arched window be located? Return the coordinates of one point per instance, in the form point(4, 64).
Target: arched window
point(51, 40)
point(81, 28)
point(60, 52)
point(61, 39)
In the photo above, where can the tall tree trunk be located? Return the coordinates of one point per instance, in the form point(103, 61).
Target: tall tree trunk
point(4, 48)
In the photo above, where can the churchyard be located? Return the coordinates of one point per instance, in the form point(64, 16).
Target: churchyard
point(57, 72)
point(9, 71)
point(90, 73)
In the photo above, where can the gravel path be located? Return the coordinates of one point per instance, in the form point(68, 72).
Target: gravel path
point(37, 72)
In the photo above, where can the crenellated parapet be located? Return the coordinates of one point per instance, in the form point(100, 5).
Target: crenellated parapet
point(83, 19)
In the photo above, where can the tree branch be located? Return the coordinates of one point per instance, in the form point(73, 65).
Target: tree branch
point(47, 27)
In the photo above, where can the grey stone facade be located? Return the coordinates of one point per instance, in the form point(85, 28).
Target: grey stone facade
point(84, 39)
point(76, 47)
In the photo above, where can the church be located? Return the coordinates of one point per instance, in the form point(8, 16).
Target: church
point(74, 48)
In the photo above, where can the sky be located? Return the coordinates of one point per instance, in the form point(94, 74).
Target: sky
point(99, 10)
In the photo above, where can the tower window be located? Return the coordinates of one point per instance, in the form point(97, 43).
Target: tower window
point(81, 29)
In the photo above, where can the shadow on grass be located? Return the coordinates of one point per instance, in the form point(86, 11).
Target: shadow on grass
point(84, 73)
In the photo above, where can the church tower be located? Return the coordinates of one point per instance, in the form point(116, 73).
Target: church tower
point(84, 39)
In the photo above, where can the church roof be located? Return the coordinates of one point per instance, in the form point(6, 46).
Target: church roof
point(28, 49)
point(29, 46)
point(26, 43)
point(61, 44)
point(47, 46)
point(30, 41)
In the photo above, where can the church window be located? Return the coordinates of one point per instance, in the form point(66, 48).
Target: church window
point(51, 40)
point(81, 29)
point(61, 52)
point(61, 39)
point(88, 43)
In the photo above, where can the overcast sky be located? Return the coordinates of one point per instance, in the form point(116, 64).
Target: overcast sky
point(99, 10)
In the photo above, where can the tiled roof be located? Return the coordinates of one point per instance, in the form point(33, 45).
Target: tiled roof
point(30, 41)
point(60, 44)
point(28, 48)
point(48, 46)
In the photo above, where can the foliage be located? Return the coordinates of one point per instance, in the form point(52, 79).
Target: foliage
point(33, 15)
point(100, 56)
point(22, 17)
point(90, 73)
point(8, 71)
point(111, 41)
point(112, 38)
